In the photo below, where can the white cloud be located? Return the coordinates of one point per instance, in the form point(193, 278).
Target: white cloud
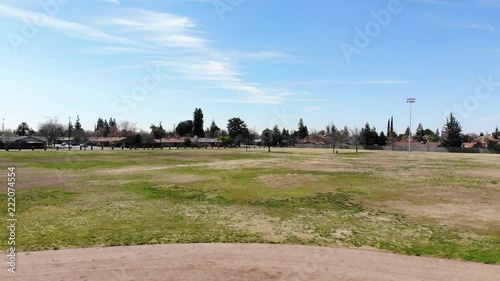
point(262, 55)
point(351, 82)
point(69, 28)
point(466, 25)
point(174, 40)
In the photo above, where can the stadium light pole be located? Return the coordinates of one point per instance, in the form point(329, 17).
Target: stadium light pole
point(411, 101)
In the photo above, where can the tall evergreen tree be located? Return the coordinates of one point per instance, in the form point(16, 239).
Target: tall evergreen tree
point(100, 124)
point(267, 138)
point(78, 125)
point(382, 139)
point(452, 133)
point(303, 132)
point(213, 129)
point(79, 133)
point(389, 127)
point(23, 129)
point(198, 123)
point(277, 137)
point(107, 128)
point(419, 135)
point(408, 132)
point(285, 136)
point(392, 126)
point(237, 130)
point(369, 135)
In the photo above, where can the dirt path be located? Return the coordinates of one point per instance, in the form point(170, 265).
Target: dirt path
point(239, 262)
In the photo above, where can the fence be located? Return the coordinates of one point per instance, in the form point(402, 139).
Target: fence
point(405, 148)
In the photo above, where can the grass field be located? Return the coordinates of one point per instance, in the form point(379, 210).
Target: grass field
point(443, 205)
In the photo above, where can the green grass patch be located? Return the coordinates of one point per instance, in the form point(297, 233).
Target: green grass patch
point(197, 199)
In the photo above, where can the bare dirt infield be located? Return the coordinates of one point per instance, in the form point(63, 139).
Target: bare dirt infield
point(239, 262)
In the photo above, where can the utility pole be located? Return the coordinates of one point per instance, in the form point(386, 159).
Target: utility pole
point(69, 133)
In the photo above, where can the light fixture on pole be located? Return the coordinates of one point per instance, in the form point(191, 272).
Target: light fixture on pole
point(411, 101)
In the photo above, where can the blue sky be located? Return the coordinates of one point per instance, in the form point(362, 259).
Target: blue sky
point(268, 62)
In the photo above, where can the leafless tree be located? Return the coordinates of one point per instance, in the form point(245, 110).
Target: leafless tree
point(356, 137)
point(51, 129)
point(392, 140)
point(7, 137)
point(127, 129)
point(336, 136)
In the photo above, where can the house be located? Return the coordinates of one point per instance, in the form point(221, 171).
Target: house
point(173, 142)
point(23, 142)
point(108, 141)
point(26, 140)
point(483, 141)
point(469, 145)
point(316, 139)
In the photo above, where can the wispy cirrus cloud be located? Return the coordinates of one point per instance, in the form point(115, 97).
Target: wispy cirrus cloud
point(174, 40)
point(69, 28)
point(350, 82)
point(460, 24)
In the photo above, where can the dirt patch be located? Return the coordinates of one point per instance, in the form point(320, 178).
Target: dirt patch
point(493, 174)
point(129, 170)
point(323, 165)
point(241, 164)
point(240, 262)
point(289, 180)
point(458, 208)
point(27, 178)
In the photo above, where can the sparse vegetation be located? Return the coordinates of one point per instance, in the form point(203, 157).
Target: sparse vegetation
point(429, 204)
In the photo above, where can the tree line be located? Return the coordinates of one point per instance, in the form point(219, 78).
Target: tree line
point(237, 132)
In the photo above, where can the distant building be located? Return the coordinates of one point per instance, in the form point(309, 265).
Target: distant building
point(173, 142)
point(482, 142)
point(26, 140)
point(116, 141)
point(316, 139)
